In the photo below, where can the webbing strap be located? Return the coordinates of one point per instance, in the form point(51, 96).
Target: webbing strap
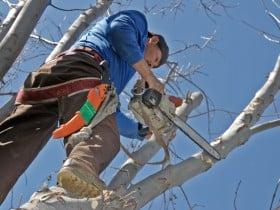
point(52, 92)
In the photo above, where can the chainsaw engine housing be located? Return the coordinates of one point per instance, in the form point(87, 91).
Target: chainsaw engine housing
point(146, 107)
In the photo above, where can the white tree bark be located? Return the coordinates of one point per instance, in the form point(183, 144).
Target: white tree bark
point(9, 20)
point(173, 175)
point(79, 25)
point(15, 39)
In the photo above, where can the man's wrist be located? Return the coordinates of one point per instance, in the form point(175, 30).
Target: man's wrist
point(143, 69)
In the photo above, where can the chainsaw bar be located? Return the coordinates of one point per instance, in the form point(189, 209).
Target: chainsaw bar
point(194, 136)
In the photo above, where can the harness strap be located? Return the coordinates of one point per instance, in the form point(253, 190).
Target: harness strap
point(108, 107)
point(52, 92)
point(87, 112)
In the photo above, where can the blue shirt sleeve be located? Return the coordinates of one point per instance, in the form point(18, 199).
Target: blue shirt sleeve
point(127, 126)
point(126, 36)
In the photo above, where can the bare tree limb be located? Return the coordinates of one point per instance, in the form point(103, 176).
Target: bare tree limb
point(66, 10)
point(274, 195)
point(42, 39)
point(14, 41)
point(9, 20)
point(276, 3)
point(265, 126)
point(236, 194)
point(79, 25)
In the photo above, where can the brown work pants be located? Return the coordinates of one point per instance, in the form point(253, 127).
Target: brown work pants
point(24, 133)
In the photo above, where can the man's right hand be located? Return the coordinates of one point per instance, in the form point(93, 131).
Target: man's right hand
point(154, 83)
point(145, 71)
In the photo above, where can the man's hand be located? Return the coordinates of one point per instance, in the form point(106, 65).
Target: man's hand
point(154, 83)
point(145, 71)
point(144, 131)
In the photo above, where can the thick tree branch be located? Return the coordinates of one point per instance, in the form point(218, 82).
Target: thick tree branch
point(9, 20)
point(14, 41)
point(79, 25)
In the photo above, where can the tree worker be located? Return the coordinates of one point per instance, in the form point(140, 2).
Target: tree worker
point(58, 89)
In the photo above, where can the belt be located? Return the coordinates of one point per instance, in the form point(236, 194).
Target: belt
point(52, 92)
point(95, 55)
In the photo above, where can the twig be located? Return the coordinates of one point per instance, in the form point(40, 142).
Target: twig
point(42, 39)
point(270, 37)
point(236, 194)
point(66, 10)
point(8, 94)
point(274, 194)
point(276, 4)
point(276, 109)
point(186, 197)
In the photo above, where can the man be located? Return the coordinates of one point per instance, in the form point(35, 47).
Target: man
point(121, 39)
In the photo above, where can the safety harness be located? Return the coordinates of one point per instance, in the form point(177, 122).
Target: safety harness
point(52, 92)
point(87, 112)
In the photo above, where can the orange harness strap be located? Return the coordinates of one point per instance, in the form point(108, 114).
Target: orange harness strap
point(87, 112)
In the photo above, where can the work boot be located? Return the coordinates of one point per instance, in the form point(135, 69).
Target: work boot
point(81, 182)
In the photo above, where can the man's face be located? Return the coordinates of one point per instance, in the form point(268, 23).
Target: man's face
point(152, 53)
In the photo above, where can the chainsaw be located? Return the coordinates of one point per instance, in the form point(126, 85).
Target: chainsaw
point(151, 107)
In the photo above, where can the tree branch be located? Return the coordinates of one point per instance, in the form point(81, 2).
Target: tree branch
point(236, 194)
point(44, 40)
point(10, 19)
point(14, 41)
point(79, 25)
point(274, 195)
point(265, 126)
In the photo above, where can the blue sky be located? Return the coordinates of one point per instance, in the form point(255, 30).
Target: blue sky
point(232, 72)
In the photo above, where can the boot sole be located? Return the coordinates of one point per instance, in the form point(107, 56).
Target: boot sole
point(78, 184)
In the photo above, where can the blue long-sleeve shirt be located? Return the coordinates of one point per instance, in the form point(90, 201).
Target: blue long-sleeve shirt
point(120, 39)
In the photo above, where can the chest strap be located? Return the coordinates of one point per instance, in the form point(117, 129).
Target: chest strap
point(52, 92)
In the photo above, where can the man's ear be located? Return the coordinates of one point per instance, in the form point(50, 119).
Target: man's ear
point(154, 40)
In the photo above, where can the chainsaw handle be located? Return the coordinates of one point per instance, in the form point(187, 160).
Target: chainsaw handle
point(176, 100)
